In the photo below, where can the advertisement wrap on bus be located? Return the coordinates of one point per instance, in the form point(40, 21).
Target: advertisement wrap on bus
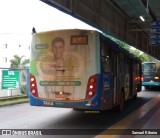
point(75, 69)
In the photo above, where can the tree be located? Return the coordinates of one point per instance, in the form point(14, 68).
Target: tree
point(18, 63)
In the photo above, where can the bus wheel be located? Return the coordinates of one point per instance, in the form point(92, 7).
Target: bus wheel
point(146, 87)
point(135, 97)
point(122, 100)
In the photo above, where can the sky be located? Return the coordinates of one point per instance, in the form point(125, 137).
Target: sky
point(20, 16)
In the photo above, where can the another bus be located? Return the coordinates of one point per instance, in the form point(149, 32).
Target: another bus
point(150, 75)
point(81, 69)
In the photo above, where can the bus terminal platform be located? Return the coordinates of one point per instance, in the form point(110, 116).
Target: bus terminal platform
point(142, 123)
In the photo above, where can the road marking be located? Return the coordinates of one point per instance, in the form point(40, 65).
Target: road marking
point(133, 120)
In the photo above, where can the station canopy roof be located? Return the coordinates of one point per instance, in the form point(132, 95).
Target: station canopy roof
point(148, 9)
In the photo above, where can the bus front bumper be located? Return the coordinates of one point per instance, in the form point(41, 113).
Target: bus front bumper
point(151, 83)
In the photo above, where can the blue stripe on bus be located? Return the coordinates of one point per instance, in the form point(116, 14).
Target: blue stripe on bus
point(33, 100)
point(78, 105)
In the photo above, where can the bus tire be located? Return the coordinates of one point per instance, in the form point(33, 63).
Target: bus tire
point(75, 109)
point(135, 97)
point(139, 88)
point(122, 101)
point(146, 87)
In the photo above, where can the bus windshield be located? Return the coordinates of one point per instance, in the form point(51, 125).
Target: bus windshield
point(149, 67)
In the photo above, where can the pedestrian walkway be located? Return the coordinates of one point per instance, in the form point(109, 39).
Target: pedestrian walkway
point(142, 123)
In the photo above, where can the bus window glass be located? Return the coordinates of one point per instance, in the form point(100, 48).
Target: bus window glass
point(105, 56)
point(137, 67)
point(121, 63)
point(126, 64)
point(150, 67)
point(158, 67)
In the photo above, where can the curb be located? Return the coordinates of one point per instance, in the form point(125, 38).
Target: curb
point(14, 98)
point(13, 103)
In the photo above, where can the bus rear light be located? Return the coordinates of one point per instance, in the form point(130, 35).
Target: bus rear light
point(90, 93)
point(142, 79)
point(92, 80)
point(138, 78)
point(91, 87)
point(33, 86)
point(32, 79)
point(33, 91)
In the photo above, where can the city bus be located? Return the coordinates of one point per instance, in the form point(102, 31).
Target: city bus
point(81, 69)
point(150, 75)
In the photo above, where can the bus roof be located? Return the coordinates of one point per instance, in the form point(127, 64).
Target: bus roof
point(64, 30)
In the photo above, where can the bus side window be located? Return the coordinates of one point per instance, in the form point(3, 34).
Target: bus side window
point(105, 56)
point(126, 64)
point(142, 67)
point(121, 63)
point(137, 68)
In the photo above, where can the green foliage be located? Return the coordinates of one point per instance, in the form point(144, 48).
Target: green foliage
point(144, 57)
point(33, 68)
point(23, 89)
point(25, 62)
point(15, 100)
point(17, 62)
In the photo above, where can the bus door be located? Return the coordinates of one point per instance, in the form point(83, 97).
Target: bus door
point(131, 68)
point(115, 77)
point(127, 86)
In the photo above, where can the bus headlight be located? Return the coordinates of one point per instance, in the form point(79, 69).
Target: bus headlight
point(156, 78)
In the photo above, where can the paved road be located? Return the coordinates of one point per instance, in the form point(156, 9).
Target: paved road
point(24, 116)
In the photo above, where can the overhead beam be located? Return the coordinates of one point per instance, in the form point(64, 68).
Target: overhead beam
point(145, 29)
point(144, 2)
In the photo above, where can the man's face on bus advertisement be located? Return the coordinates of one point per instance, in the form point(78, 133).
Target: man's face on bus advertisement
point(58, 49)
